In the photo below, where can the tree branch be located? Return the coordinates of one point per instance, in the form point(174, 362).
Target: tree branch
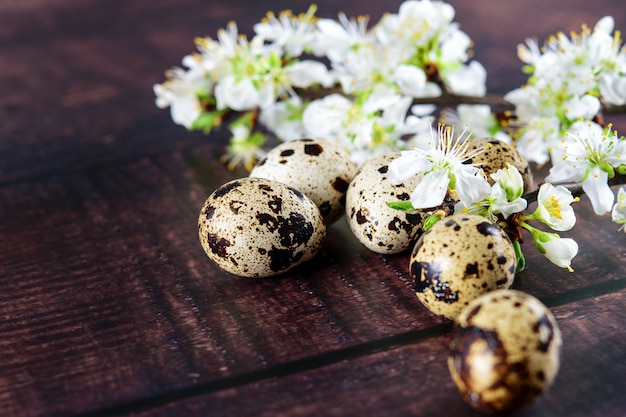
point(496, 101)
point(575, 188)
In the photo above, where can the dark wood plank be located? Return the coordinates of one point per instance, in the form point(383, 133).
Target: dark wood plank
point(413, 379)
point(122, 303)
point(109, 304)
point(88, 99)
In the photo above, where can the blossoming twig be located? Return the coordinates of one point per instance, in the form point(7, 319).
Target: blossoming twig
point(375, 89)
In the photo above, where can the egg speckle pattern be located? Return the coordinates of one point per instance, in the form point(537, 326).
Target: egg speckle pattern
point(320, 169)
point(255, 227)
point(498, 155)
point(376, 225)
point(505, 351)
point(458, 259)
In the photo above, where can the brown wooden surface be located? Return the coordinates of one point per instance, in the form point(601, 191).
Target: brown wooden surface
point(109, 307)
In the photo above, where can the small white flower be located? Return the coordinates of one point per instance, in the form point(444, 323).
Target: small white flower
point(560, 251)
point(180, 91)
point(505, 198)
point(284, 119)
point(530, 53)
point(292, 33)
point(416, 23)
point(411, 80)
point(368, 125)
point(469, 80)
point(618, 214)
point(334, 39)
point(479, 118)
point(501, 202)
point(454, 45)
point(613, 88)
point(511, 181)
point(554, 207)
point(585, 107)
point(589, 155)
point(239, 95)
point(245, 146)
point(307, 73)
point(538, 137)
point(443, 166)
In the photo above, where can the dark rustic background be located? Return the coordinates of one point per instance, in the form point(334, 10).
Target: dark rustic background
point(109, 307)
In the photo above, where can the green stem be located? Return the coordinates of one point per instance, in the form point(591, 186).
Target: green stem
point(519, 255)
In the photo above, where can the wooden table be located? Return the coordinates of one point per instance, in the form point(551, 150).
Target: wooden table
point(108, 305)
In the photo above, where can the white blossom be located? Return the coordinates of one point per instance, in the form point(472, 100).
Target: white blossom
point(443, 167)
point(566, 76)
point(480, 120)
point(618, 214)
point(505, 197)
point(469, 80)
point(613, 88)
point(589, 155)
point(416, 23)
point(560, 251)
point(371, 124)
point(289, 33)
point(334, 39)
point(554, 207)
point(284, 119)
point(180, 92)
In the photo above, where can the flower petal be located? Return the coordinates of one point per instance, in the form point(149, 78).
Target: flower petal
point(431, 191)
point(471, 187)
point(407, 165)
point(560, 251)
point(597, 188)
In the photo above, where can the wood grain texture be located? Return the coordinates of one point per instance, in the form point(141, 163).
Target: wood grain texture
point(110, 307)
point(413, 379)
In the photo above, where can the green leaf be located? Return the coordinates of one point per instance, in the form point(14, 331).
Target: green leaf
point(207, 121)
point(401, 205)
point(430, 221)
point(245, 119)
point(519, 255)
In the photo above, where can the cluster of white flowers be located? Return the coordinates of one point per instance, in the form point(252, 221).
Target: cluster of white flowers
point(570, 79)
point(376, 73)
point(591, 155)
point(445, 169)
point(355, 85)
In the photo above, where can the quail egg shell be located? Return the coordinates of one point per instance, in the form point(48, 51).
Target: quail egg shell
point(505, 351)
point(320, 169)
point(458, 259)
point(255, 227)
point(377, 226)
point(498, 155)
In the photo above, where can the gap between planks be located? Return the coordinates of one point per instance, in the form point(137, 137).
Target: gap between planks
point(329, 358)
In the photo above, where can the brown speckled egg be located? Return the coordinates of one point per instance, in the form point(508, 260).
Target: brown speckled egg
point(376, 225)
point(458, 259)
point(320, 169)
point(505, 351)
point(254, 227)
point(498, 155)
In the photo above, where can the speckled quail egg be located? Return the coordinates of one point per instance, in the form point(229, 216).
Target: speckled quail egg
point(459, 258)
point(379, 227)
point(320, 169)
point(255, 227)
point(505, 351)
point(498, 155)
